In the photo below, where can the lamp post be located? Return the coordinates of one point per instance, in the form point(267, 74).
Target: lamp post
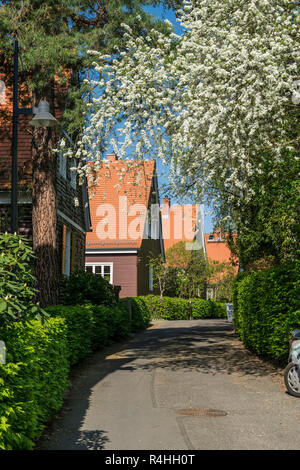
point(42, 118)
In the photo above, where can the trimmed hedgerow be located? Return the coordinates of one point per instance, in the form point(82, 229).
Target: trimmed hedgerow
point(266, 309)
point(33, 381)
point(140, 314)
point(171, 308)
point(207, 309)
point(79, 329)
point(90, 327)
point(83, 287)
point(168, 308)
point(117, 322)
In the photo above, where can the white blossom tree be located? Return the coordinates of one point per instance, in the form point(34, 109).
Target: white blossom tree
point(216, 103)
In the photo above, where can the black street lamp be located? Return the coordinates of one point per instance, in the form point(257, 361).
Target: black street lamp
point(42, 118)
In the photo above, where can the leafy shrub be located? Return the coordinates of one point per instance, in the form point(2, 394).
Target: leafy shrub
point(118, 319)
point(114, 319)
point(101, 331)
point(82, 287)
point(17, 281)
point(219, 310)
point(90, 327)
point(33, 381)
point(266, 309)
point(207, 309)
point(140, 312)
point(171, 308)
point(79, 329)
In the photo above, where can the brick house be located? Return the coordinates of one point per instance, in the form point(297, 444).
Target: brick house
point(124, 234)
point(72, 221)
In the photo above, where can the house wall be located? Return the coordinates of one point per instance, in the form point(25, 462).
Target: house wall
point(77, 253)
point(124, 271)
point(148, 248)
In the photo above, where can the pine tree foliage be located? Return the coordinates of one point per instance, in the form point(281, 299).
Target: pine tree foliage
point(54, 37)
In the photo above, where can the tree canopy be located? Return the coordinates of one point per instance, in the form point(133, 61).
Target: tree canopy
point(54, 38)
point(219, 104)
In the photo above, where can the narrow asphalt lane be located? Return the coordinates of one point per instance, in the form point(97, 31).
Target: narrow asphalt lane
point(178, 385)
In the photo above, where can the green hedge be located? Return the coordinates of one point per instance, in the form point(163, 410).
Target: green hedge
point(266, 308)
point(33, 381)
point(208, 309)
point(140, 313)
point(170, 308)
point(91, 327)
point(79, 329)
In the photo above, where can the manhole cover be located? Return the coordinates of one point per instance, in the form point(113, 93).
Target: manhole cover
point(201, 412)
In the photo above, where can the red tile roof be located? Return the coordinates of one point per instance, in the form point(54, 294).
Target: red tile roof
point(121, 197)
point(178, 223)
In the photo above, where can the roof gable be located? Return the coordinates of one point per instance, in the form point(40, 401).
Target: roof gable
point(119, 203)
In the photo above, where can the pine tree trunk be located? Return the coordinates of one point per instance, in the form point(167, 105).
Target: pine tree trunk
point(44, 215)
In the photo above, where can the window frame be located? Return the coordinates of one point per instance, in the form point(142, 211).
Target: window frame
point(151, 287)
point(108, 263)
point(67, 255)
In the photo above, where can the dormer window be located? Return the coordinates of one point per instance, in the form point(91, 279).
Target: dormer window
point(211, 238)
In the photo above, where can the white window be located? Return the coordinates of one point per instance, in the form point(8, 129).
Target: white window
point(103, 269)
point(210, 293)
point(62, 164)
point(150, 277)
point(73, 173)
point(155, 214)
point(67, 269)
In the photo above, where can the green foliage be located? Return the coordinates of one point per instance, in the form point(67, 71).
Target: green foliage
point(269, 227)
point(165, 276)
point(83, 287)
point(17, 281)
point(178, 256)
point(266, 309)
point(187, 271)
point(79, 329)
point(207, 309)
point(117, 321)
point(54, 35)
point(170, 308)
point(90, 327)
point(140, 312)
point(33, 381)
point(221, 276)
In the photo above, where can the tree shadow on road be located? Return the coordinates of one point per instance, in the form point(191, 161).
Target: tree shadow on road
point(206, 349)
point(209, 347)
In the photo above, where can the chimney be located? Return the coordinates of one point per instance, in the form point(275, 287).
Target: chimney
point(166, 201)
point(112, 157)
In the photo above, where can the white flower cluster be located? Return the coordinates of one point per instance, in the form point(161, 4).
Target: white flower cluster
point(214, 102)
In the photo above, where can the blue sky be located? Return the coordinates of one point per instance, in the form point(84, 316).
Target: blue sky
point(163, 180)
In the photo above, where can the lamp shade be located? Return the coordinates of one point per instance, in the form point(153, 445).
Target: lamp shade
point(42, 116)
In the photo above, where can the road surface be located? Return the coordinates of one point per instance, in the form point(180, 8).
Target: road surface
point(178, 385)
